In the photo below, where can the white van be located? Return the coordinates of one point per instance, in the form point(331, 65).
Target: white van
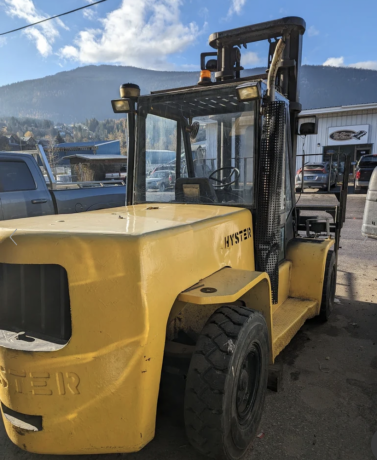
point(369, 227)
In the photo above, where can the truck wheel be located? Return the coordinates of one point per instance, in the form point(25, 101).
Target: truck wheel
point(162, 187)
point(329, 287)
point(227, 382)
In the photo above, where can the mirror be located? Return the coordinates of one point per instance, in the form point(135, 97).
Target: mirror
point(307, 129)
point(193, 129)
point(307, 125)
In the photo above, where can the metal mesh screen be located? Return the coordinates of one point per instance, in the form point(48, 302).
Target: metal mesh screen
point(267, 236)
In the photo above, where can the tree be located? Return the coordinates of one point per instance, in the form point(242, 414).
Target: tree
point(59, 139)
point(92, 124)
point(52, 154)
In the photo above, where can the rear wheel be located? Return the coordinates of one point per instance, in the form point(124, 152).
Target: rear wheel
point(329, 287)
point(162, 187)
point(227, 382)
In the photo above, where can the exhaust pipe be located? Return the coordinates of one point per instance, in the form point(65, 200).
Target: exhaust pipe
point(274, 68)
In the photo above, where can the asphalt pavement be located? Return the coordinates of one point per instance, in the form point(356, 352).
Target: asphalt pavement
point(327, 406)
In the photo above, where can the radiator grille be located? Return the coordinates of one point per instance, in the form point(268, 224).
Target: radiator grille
point(35, 299)
point(267, 237)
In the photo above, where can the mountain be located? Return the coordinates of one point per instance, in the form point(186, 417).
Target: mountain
point(86, 92)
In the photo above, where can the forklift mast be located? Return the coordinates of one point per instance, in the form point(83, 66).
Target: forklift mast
point(226, 60)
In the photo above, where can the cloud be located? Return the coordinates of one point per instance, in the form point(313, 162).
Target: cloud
point(190, 66)
point(236, 7)
point(3, 41)
point(250, 58)
point(371, 65)
point(140, 34)
point(339, 62)
point(334, 62)
point(89, 14)
point(312, 31)
point(204, 12)
point(43, 35)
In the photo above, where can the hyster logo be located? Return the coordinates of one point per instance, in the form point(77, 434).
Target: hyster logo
point(237, 237)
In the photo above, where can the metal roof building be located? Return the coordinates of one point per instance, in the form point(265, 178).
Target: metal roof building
point(347, 130)
point(92, 147)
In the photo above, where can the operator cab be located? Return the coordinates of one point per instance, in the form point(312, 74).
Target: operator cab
point(219, 171)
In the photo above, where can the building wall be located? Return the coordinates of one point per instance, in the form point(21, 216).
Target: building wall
point(328, 120)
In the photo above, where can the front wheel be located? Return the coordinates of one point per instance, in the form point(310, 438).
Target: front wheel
point(227, 382)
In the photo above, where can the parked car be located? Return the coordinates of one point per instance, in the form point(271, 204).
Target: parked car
point(168, 167)
point(363, 172)
point(25, 193)
point(155, 158)
point(161, 180)
point(316, 175)
point(369, 227)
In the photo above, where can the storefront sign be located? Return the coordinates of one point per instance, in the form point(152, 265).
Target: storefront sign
point(348, 135)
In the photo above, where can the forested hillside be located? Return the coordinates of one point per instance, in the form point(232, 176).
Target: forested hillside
point(85, 93)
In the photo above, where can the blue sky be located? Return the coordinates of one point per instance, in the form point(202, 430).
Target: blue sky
point(170, 34)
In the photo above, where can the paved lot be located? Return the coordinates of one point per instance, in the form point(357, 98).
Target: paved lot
point(327, 408)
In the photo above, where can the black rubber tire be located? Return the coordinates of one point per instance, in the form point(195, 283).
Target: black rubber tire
point(233, 343)
point(329, 287)
point(298, 189)
point(162, 187)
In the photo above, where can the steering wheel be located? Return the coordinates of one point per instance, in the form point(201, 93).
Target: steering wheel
point(227, 180)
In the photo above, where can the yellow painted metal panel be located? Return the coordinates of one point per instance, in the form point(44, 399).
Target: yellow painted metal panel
point(308, 268)
point(229, 284)
point(284, 283)
point(125, 269)
point(288, 319)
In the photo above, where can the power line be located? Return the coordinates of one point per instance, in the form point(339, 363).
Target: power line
point(53, 17)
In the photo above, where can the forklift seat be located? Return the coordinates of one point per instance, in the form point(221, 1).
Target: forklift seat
point(194, 190)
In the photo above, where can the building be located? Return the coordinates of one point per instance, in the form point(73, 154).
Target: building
point(28, 142)
point(92, 147)
point(87, 160)
point(14, 142)
point(347, 130)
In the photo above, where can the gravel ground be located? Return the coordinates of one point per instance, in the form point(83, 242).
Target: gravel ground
point(327, 408)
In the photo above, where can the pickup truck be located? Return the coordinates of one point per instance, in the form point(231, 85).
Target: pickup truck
point(363, 172)
point(25, 193)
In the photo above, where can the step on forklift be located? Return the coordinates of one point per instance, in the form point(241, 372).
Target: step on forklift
point(218, 268)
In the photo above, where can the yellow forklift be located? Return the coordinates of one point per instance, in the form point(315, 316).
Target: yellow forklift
point(218, 266)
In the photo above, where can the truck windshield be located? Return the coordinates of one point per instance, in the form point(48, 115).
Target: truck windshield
point(211, 136)
point(370, 160)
